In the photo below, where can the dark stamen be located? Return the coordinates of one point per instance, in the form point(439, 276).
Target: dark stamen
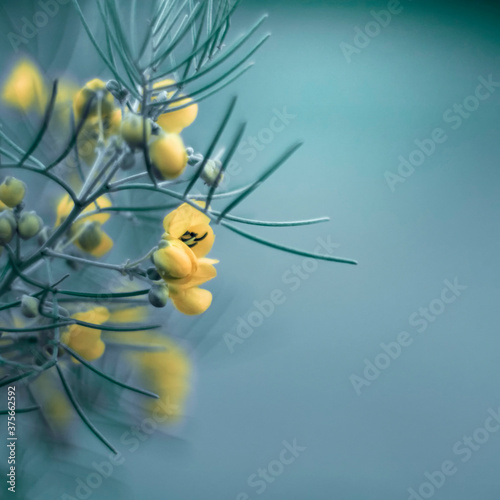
point(201, 238)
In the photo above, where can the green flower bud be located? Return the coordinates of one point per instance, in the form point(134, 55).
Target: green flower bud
point(153, 274)
point(29, 225)
point(128, 161)
point(7, 226)
point(91, 237)
point(132, 130)
point(43, 236)
point(158, 295)
point(12, 191)
point(211, 171)
point(29, 306)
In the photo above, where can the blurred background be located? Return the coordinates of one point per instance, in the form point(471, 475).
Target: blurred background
point(363, 84)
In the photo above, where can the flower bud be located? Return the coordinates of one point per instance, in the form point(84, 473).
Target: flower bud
point(176, 121)
point(152, 274)
point(97, 90)
point(132, 130)
point(43, 236)
point(90, 237)
point(168, 155)
point(120, 93)
point(172, 260)
point(29, 306)
point(128, 161)
point(158, 296)
point(29, 225)
point(211, 171)
point(12, 191)
point(7, 226)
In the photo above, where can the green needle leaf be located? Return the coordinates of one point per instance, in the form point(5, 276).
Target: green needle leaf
point(212, 146)
point(289, 152)
point(225, 162)
point(85, 363)
point(285, 248)
point(21, 410)
point(45, 123)
point(81, 413)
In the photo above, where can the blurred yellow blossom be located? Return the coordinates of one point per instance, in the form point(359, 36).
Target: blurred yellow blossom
point(87, 232)
point(25, 88)
point(84, 340)
point(165, 372)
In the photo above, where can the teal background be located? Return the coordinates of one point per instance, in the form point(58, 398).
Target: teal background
point(291, 379)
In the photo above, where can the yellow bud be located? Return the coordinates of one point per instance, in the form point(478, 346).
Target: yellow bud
point(132, 130)
point(173, 260)
point(29, 225)
point(113, 123)
point(7, 227)
point(168, 156)
point(93, 88)
point(176, 121)
point(12, 191)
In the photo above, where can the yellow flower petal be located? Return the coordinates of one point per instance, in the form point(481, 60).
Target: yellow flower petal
point(84, 340)
point(177, 222)
point(176, 121)
point(25, 88)
point(175, 261)
point(97, 315)
point(204, 272)
point(190, 301)
point(168, 155)
point(129, 315)
point(95, 87)
point(66, 205)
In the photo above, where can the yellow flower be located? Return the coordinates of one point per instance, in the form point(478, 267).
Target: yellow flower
point(176, 121)
point(55, 405)
point(168, 155)
point(192, 227)
point(87, 231)
point(25, 88)
point(165, 372)
point(180, 259)
point(94, 88)
point(89, 135)
point(66, 91)
point(133, 128)
point(84, 340)
point(129, 315)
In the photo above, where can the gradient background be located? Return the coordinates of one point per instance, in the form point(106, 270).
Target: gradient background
point(291, 378)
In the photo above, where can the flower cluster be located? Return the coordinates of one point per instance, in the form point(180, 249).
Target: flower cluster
point(114, 165)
